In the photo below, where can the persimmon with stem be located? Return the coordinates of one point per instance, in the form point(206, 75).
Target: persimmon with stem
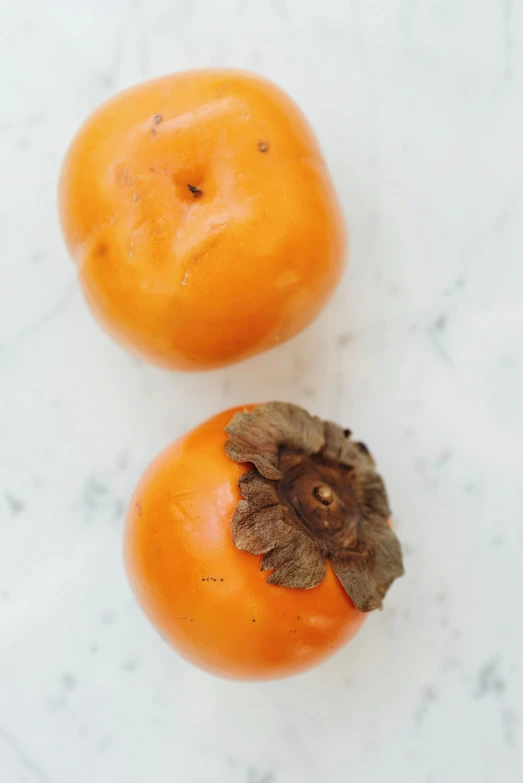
point(258, 542)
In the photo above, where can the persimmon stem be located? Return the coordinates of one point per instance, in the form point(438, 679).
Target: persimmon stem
point(324, 494)
point(312, 495)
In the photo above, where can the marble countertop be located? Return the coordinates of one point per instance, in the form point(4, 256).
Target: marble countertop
point(418, 106)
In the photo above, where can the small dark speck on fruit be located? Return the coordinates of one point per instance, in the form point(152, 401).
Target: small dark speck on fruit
point(263, 146)
point(157, 119)
point(221, 579)
point(152, 133)
point(253, 620)
point(102, 249)
point(195, 191)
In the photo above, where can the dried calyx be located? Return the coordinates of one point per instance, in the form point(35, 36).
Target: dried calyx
point(313, 494)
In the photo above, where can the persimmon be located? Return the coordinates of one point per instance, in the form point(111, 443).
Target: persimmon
point(267, 488)
point(202, 218)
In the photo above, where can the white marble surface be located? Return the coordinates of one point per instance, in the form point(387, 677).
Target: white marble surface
point(419, 107)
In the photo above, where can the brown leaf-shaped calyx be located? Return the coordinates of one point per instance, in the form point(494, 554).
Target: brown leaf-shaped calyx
point(313, 494)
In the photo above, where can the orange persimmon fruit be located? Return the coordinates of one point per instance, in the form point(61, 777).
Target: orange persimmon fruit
point(262, 489)
point(202, 218)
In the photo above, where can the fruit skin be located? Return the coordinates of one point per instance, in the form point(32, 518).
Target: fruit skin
point(207, 598)
point(198, 279)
